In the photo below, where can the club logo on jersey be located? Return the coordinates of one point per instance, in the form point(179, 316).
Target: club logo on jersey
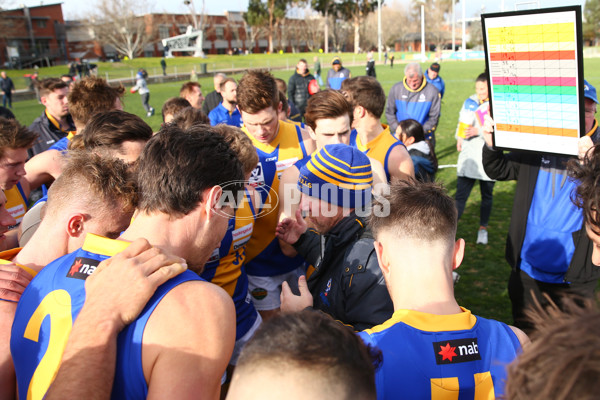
point(456, 351)
point(259, 293)
point(82, 268)
point(257, 177)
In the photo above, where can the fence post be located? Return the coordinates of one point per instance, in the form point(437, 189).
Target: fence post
point(106, 73)
point(176, 72)
point(132, 80)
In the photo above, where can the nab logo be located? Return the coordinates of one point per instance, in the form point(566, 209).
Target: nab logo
point(82, 268)
point(456, 351)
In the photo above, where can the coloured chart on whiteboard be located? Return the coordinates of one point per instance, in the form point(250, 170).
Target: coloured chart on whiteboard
point(533, 67)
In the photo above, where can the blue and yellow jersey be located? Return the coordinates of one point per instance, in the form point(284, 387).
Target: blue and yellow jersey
point(225, 267)
point(426, 356)
point(63, 144)
point(45, 315)
point(299, 123)
point(221, 115)
point(16, 202)
point(263, 254)
point(379, 148)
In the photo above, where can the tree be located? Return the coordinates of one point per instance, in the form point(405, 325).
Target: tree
point(256, 18)
point(326, 8)
point(115, 23)
point(437, 12)
point(395, 22)
point(591, 26)
point(357, 11)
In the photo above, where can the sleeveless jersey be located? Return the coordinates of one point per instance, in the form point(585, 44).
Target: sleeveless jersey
point(225, 266)
point(263, 254)
point(45, 315)
point(426, 356)
point(16, 202)
point(379, 148)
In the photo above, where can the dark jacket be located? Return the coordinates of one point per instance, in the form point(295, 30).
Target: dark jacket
point(212, 100)
point(347, 282)
point(297, 90)
point(48, 133)
point(6, 84)
point(524, 168)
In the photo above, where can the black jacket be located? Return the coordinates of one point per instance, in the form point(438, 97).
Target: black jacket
point(212, 100)
point(6, 84)
point(524, 168)
point(48, 133)
point(347, 282)
point(297, 90)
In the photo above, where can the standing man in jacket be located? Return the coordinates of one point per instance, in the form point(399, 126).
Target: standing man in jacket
point(547, 246)
point(298, 86)
point(8, 87)
point(337, 74)
point(55, 122)
point(416, 99)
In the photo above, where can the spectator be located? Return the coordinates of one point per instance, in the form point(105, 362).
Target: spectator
point(433, 77)
point(227, 112)
point(317, 69)
point(8, 87)
point(371, 65)
point(431, 346)
point(347, 284)
point(420, 150)
point(337, 74)
point(547, 248)
point(214, 98)
point(163, 65)
point(392, 60)
point(192, 92)
point(414, 98)
point(469, 141)
point(298, 86)
point(55, 122)
point(142, 88)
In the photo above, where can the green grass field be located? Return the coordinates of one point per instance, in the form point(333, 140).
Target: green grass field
point(484, 272)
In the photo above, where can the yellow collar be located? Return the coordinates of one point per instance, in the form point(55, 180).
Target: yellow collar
point(419, 89)
point(430, 322)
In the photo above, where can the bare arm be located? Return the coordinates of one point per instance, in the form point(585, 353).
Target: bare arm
point(522, 336)
point(44, 168)
point(115, 295)
point(400, 164)
point(188, 342)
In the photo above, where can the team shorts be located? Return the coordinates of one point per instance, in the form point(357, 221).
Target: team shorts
point(266, 290)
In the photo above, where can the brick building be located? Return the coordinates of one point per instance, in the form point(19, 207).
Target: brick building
point(33, 36)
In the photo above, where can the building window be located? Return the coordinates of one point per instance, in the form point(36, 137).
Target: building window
point(163, 31)
point(220, 32)
point(41, 23)
point(182, 29)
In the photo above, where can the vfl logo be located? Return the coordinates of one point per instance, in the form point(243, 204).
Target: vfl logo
point(456, 351)
point(82, 268)
point(257, 178)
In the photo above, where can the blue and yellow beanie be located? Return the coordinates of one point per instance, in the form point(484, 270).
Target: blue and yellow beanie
point(338, 174)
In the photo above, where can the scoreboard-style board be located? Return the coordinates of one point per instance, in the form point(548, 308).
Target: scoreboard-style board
point(535, 66)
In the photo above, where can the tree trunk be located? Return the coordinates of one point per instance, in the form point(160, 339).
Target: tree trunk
point(326, 47)
point(271, 11)
point(356, 33)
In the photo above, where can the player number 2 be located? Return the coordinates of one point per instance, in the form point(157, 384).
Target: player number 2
point(57, 305)
point(448, 388)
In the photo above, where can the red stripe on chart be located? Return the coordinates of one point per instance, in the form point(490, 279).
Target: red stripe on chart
point(540, 81)
point(533, 55)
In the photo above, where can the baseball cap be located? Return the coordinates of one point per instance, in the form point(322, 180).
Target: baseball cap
point(589, 92)
point(336, 60)
point(435, 67)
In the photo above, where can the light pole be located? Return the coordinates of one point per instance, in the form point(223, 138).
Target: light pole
point(423, 32)
point(190, 4)
point(379, 28)
point(453, 28)
point(464, 29)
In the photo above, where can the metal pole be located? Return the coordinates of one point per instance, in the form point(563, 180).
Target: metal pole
point(379, 28)
point(423, 32)
point(453, 27)
point(464, 41)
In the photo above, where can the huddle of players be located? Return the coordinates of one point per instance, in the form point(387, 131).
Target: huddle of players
point(182, 176)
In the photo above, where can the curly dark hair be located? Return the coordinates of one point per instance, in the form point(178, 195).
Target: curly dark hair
point(587, 176)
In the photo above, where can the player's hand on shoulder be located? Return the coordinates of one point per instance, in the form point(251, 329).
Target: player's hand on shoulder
point(13, 281)
point(121, 286)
